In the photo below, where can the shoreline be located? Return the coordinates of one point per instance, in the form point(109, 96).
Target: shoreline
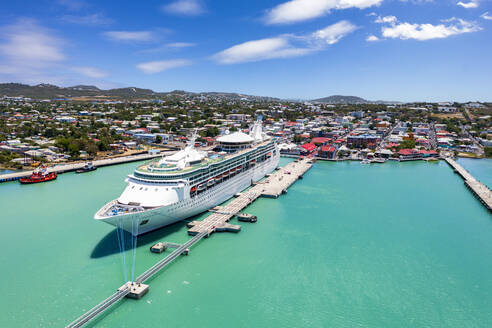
point(75, 166)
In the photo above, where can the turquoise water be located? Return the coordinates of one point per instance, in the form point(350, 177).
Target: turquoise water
point(350, 245)
point(480, 169)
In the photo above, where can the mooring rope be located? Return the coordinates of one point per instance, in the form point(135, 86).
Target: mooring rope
point(134, 242)
point(121, 240)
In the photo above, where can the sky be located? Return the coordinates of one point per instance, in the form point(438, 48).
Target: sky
point(394, 50)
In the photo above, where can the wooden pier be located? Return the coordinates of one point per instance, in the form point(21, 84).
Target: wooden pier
point(273, 186)
point(480, 190)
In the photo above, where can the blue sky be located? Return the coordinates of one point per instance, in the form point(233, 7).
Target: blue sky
point(403, 50)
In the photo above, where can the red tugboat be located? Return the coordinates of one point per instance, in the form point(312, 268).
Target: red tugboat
point(39, 176)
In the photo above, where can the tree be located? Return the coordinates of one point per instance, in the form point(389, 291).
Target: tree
point(158, 139)
point(212, 132)
point(488, 151)
point(407, 144)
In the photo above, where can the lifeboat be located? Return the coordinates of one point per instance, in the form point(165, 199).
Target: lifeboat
point(193, 189)
point(202, 186)
point(253, 161)
point(218, 178)
point(269, 154)
point(211, 182)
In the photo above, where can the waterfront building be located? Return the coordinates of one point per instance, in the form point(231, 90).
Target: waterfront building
point(364, 140)
point(328, 151)
point(308, 148)
point(409, 154)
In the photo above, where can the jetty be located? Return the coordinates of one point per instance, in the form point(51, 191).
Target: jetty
point(75, 166)
point(274, 185)
point(480, 190)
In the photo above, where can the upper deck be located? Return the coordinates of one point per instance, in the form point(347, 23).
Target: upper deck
point(154, 170)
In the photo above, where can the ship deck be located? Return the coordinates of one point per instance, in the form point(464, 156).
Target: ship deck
point(152, 168)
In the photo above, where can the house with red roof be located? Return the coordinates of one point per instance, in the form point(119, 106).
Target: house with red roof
point(409, 154)
point(308, 148)
point(327, 151)
point(320, 141)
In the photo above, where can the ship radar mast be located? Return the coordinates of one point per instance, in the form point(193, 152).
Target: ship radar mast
point(257, 130)
point(191, 143)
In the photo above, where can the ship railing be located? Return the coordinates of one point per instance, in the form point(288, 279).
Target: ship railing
point(106, 207)
point(118, 208)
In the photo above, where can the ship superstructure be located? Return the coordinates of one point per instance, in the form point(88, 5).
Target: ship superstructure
point(190, 181)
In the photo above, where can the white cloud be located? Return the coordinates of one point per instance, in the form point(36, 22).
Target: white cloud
point(28, 51)
point(468, 5)
point(153, 67)
point(28, 43)
point(185, 7)
point(300, 10)
point(180, 44)
point(259, 50)
point(417, 1)
point(284, 46)
point(386, 19)
point(372, 38)
point(486, 16)
point(90, 71)
point(333, 33)
point(141, 36)
point(89, 20)
point(423, 32)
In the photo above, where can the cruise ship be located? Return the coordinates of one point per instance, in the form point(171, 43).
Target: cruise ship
point(189, 182)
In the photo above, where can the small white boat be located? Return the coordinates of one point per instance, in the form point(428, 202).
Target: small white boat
point(366, 161)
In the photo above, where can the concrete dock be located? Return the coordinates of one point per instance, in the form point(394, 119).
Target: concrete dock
point(274, 185)
point(480, 190)
point(73, 167)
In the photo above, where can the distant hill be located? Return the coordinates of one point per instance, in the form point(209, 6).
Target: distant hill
point(49, 91)
point(337, 99)
point(84, 88)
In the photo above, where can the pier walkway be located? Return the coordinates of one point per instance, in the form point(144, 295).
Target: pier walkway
point(273, 186)
point(72, 167)
point(125, 289)
point(480, 190)
point(100, 308)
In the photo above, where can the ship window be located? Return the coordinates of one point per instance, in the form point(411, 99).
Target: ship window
point(144, 222)
point(156, 189)
point(141, 188)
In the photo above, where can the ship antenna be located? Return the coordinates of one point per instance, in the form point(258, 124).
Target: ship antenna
point(193, 138)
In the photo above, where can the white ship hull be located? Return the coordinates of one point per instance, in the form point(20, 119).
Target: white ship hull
point(166, 215)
